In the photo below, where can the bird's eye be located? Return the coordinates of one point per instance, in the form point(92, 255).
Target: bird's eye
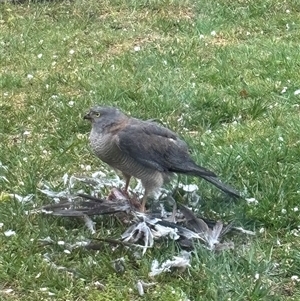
point(97, 114)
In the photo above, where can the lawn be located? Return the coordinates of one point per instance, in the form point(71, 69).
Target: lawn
point(223, 74)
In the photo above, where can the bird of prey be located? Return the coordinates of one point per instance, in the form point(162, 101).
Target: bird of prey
point(144, 150)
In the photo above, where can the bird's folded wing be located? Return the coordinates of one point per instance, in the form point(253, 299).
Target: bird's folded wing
point(156, 147)
point(151, 145)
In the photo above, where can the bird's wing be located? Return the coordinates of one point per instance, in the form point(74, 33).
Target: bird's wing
point(155, 147)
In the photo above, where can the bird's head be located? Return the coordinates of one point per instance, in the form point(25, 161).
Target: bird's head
point(104, 117)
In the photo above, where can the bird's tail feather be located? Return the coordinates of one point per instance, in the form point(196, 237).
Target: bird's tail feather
point(226, 188)
point(193, 170)
point(198, 171)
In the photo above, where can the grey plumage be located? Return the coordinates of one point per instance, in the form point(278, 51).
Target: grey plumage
point(144, 150)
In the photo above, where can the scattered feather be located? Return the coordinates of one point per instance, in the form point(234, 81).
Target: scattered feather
point(297, 92)
point(180, 262)
point(48, 260)
point(141, 285)
point(80, 208)
point(89, 223)
point(99, 285)
point(213, 235)
point(79, 244)
point(224, 246)
point(7, 291)
point(119, 265)
point(65, 179)
point(147, 284)
point(188, 188)
point(244, 231)
point(252, 201)
point(9, 233)
point(46, 240)
point(210, 235)
point(181, 224)
point(140, 288)
point(22, 199)
point(162, 231)
point(141, 231)
point(53, 194)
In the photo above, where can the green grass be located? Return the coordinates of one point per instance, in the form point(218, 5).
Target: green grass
point(222, 93)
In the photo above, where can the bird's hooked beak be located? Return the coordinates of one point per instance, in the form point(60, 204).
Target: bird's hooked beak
point(87, 116)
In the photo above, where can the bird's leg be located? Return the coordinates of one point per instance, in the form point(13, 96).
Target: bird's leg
point(127, 181)
point(127, 178)
point(144, 200)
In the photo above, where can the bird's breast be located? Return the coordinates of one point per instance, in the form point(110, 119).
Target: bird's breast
point(106, 149)
point(102, 145)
